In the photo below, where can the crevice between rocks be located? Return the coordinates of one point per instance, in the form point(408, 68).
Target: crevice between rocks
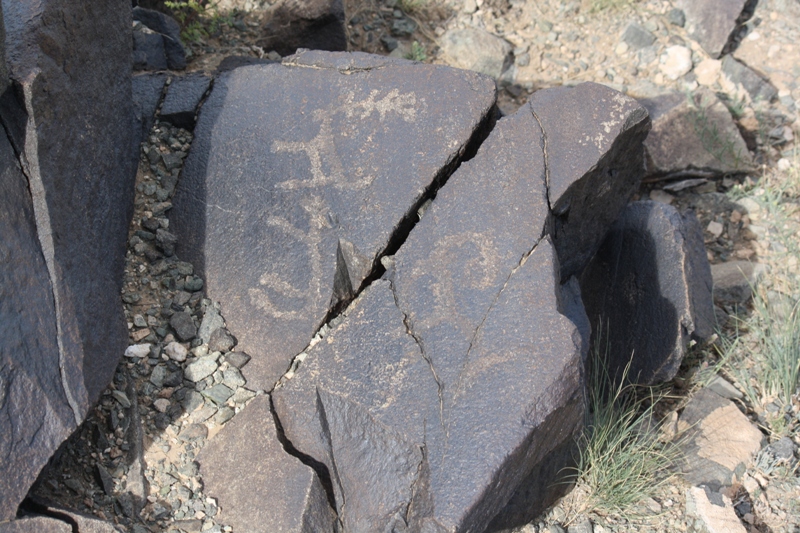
point(34, 508)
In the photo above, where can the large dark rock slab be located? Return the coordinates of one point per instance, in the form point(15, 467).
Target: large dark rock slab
point(648, 291)
point(593, 147)
point(312, 24)
point(710, 22)
point(169, 31)
point(70, 119)
point(3, 67)
point(259, 487)
point(447, 346)
point(34, 406)
point(147, 91)
point(302, 174)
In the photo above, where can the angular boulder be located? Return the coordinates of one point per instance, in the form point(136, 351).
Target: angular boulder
point(647, 291)
point(312, 24)
point(476, 49)
point(759, 89)
point(258, 486)
point(451, 390)
point(70, 120)
point(302, 174)
point(183, 99)
point(710, 22)
point(166, 32)
point(695, 133)
point(147, 91)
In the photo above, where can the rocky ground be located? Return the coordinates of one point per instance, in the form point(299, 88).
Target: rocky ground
point(182, 378)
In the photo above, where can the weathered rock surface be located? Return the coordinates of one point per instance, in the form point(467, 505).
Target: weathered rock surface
point(697, 133)
point(713, 512)
point(593, 137)
point(719, 440)
point(73, 128)
point(476, 49)
point(393, 401)
point(711, 23)
point(147, 91)
point(3, 67)
point(183, 99)
point(756, 87)
point(315, 187)
point(312, 24)
point(734, 281)
point(260, 487)
point(647, 291)
point(60, 521)
point(168, 31)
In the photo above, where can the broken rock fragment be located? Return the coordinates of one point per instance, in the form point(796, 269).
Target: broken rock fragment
point(258, 485)
point(300, 176)
point(647, 291)
point(711, 23)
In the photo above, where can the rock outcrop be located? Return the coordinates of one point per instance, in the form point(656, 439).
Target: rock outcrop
point(69, 181)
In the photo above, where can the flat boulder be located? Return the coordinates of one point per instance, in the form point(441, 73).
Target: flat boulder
point(710, 22)
point(71, 124)
point(303, 174)
point(693, 133)
point(468, 329)
point(647, 291)
point(258, 486)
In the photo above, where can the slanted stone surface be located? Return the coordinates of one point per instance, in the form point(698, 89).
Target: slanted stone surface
point(169, 31)
point(710, 22)
point(147, 91)
point(312, 24)
point(593, 147)
point(34, 408)
point(259, 487)
point(299, 176)
point(74, 129)
point(647, 291)
point(693, 133)
point(411, 363)
point(719, 440)
point(183, 99)
point(759, 89)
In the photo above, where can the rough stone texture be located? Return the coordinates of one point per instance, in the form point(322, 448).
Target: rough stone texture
point(713, 512)
point(147, 91)
point(323, 158)
point(259, 487)
point(696, 133)
point(170, 32)
point(73, 126)
point(407, 370)
point(710, 22)
point(758, 88)
point(3, 67)
point(60, 521)
point(719, 440)
point(183, 99)
point(476, 49)
point(148, 49)
point(312, 24)
point(734, 281)
point(647, 291)
point(593, 144)
point(34, 408)
point(637, 36)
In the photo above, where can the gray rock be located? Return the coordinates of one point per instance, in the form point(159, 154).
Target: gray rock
point(451, 315)
point(593, 147)
point(221, 341)
point(200, 369)
point(183, 99)
point(476, 49)
point(34, 403)
point(648, 291)
point(148, 49)
point(581, 527)
point(212, 321)
point(710, 22)
point(758, 88)
point(258, 485)
point(170, 32)
point(183, 325)
point(693, 133)
point(237, 359)
point(321, 170)
point(72, 63)
point(734, 281)
point(219, 394)
point(718, 440)
point(723, 387)
point(176, 351)
point(3, 67)
point(637, 36)
point(783, 449)
point(676, 17)
point(313, 24)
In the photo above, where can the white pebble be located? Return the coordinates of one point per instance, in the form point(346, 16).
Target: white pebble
point(176, 351)
point(161, 405)
point(138, 350)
